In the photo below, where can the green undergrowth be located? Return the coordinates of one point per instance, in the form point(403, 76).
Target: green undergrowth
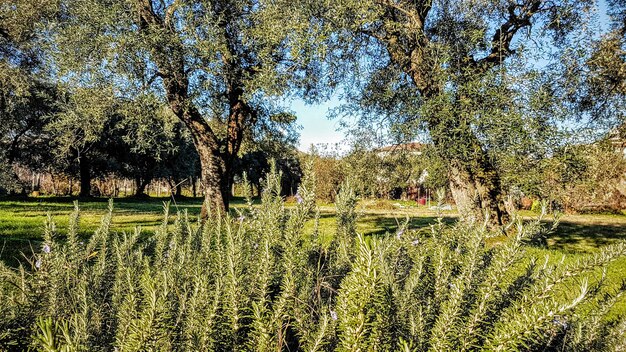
point(266, 278)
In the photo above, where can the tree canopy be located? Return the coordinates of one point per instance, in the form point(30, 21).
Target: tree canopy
point(216, 64)
point(474, 78)
point(495, 87)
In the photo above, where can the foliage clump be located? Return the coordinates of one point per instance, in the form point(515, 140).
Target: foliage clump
point(259, 281)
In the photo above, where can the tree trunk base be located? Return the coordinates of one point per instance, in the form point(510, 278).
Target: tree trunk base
point(478, 199)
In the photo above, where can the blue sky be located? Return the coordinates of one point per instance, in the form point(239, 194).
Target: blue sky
point(317, 128)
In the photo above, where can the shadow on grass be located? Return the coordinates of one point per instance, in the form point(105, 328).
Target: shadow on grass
point(27, 206)
point(585, 237)
point(15, 251)
point(104, 200)
point(22, 229)
point(568, 236)
point(381, 225)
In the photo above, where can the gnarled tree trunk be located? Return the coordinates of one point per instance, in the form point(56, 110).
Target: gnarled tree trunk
point(477, 194)
point(404, 31)
point(472, 177)
point(211, 177)
point(217, 154)
point(141, 184)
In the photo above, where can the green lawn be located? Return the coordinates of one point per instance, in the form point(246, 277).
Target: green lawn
point(22, 225)
point(22, 221)
point(25, 219)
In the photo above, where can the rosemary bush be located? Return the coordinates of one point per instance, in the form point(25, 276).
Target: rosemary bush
point(256, 281)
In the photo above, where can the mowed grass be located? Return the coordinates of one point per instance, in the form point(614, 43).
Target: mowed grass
point(25, 219)
point(22, 225)
point(22, 221)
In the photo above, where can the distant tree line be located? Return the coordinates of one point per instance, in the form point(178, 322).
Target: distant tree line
point(586, 177)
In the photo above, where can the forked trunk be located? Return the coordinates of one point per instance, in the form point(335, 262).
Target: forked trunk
point(405, 31)
point(140, 186)
point(216, 154)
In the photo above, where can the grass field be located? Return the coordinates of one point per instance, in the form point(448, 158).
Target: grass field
point(22, 225)
point(22, 221)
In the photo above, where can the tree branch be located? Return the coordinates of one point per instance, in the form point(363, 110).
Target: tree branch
point(170, 12)
point(4, 33)
point(175, 78)
point(147, 15)
point(502, 38)
point(409, 14)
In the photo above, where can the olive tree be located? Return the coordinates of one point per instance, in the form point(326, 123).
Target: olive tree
point(25, 95)
point(446, 68)
point(214, 63)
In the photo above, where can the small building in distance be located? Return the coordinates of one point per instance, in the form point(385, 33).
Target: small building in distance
point(618, 141)
point(413, 185)
point(413, 148)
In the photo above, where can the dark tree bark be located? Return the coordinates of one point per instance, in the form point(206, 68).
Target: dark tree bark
point(194, 189)
point(85, 176)
point(176, 187)
point(141, 183)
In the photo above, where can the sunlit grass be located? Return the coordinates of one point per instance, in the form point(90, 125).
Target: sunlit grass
point(22, 225)
point(24, 220)
point(21, 221)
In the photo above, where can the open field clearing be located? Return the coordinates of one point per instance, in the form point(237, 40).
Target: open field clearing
point(407, 251)
point(22, 222)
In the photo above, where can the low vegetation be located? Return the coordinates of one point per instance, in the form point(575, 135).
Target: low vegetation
point(262, 280)
point(507, 103)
